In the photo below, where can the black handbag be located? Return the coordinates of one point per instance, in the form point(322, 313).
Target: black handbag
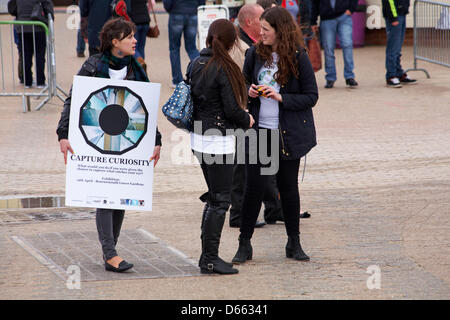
point(38, 13)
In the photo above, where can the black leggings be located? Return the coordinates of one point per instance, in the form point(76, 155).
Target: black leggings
point(287, 181)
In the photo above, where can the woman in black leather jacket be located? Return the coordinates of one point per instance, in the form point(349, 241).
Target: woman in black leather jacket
point(115, 61)
point(282, 93)
point(219, 96)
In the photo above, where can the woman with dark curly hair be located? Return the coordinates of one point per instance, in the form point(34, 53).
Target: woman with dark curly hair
point(282, 92)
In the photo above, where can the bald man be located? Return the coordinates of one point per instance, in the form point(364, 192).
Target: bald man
point(249, 25)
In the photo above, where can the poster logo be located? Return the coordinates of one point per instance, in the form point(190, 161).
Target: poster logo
point(113, 120)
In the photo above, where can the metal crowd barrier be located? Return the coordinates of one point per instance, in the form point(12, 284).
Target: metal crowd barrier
point(431, 33)
point(9, 83)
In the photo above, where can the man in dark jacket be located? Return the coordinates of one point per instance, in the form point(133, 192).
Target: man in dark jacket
point(182, 20)
point(139, 15)
point(394, 12)
point(97, 13)
point(335, 17)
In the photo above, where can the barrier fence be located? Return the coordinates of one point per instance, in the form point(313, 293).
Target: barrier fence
point(9, 54)
point(431, 33)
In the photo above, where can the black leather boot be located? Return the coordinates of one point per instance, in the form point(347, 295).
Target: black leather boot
point(205, 209)
point(210, 262)
point(294, 249)
point(245, 251)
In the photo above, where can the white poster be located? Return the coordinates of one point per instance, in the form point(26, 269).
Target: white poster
point(112, 132)
point(205, 16)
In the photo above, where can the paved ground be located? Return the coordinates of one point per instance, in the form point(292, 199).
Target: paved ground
point(377, 186)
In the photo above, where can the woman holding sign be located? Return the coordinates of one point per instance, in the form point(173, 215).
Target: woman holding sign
point(115, 61)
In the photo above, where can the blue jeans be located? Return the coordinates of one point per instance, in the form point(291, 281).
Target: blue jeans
point(81, 45)
point(343, 26)
point(395, 36)
point(141, 37)
point(179, 24)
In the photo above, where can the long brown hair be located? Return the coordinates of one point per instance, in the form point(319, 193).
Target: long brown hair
point(289, 40)
point(221, 38)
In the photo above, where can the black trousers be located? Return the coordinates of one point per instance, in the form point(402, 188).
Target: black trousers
point(218, 176)
point(272, 204)
point(109, 223)
point(256, 184)
point(30, 43)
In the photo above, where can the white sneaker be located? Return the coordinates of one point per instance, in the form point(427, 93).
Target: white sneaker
point(393, 82)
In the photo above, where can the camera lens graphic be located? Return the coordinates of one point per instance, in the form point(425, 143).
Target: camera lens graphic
point(113, 120)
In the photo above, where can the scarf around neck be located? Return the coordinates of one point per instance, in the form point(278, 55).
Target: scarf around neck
point(110, 61)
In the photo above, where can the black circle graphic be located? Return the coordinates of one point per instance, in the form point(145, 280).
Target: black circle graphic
point(113, 119)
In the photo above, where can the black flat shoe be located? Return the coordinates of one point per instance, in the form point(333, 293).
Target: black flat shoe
point(123, 266)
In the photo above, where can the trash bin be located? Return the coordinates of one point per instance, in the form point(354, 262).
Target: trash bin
point(359, 25)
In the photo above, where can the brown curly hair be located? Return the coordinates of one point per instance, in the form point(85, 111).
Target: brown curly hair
point(289, 41)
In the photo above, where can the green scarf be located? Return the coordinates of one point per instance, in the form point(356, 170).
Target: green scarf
point(110, 61)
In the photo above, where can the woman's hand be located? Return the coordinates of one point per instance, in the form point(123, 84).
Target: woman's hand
point(156, 155)
point(252, 121)
point(64, 146)
point(253, 91)
point(270, 92)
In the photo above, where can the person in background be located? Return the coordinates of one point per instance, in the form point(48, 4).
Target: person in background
point(219, 99)
point(32, 39)
point(182, 21)
point(394, 13)
point(115, 61)
point(267, 3)
point(336, 18)
point(292, 6)
point(250, 33)
point(139, 15)
point(97, 13)
point(282, 90)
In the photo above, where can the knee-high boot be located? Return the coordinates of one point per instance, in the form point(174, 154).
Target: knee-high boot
point(213, 222)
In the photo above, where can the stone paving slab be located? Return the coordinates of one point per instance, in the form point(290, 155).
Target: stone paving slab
point(152, 258)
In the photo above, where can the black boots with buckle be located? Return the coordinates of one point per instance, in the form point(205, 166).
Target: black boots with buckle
point(212, 224)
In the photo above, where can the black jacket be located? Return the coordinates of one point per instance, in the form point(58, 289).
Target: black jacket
point(182, 6)
point(97, 12)
point(296, 121)
point(88, 69)
point(323, 9)
point(214, 101)
point(139, 12)
point(22, 9)
point(394, 8)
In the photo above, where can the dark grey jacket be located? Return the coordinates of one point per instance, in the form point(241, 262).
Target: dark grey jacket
point(139, 12)
point(22, 9)
point(89, 69)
